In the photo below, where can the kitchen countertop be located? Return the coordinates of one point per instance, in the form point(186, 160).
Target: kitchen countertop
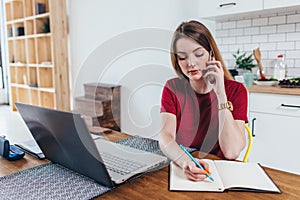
point(274, 90)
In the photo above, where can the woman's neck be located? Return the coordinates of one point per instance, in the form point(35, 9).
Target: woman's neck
point(200, 86)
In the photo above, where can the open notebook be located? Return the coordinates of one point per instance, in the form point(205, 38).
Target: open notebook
point(228, 175)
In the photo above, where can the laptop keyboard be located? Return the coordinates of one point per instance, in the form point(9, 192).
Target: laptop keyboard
point(120, 165)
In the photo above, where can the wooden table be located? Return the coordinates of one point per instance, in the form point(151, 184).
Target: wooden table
point(155, 185)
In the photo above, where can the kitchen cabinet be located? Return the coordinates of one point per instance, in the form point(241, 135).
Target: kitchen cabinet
point(275, 123)
point(270, 4)
point(231, 8)
point(216, 8)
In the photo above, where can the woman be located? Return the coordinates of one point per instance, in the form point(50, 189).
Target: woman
point(204, 107)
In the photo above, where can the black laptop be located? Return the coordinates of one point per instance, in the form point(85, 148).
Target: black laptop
point(65, 139)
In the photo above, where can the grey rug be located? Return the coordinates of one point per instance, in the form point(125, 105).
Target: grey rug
point(146, 144)
point(49, 181)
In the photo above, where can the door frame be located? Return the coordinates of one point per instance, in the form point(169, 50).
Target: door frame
point(4, 93)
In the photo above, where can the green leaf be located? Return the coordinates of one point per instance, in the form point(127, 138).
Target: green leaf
point(244, 61)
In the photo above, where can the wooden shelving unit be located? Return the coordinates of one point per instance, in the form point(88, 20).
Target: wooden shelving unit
point(38, 53)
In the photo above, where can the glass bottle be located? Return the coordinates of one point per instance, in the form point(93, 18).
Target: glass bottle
point(279, 68)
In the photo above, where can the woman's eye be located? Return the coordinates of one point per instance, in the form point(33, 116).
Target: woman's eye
point(181, 57)
point(199, 54)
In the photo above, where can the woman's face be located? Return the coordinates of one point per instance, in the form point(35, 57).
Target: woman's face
point(191, 57)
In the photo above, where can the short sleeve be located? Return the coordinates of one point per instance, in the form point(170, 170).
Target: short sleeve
point(168, 99)
point(238, 95)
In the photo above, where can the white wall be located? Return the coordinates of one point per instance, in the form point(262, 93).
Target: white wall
point(276, 33)
point(126, 43)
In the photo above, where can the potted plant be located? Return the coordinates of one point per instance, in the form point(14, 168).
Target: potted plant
point(244, 61)
point(244, 64)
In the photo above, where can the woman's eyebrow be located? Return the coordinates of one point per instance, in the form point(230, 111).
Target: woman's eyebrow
point(199, 48)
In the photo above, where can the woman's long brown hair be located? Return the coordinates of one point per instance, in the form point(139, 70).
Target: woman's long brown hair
point(199, 33)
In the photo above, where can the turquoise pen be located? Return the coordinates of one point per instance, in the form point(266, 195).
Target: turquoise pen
point(195, 161)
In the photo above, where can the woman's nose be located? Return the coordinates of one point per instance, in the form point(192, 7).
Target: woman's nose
point(191, 61)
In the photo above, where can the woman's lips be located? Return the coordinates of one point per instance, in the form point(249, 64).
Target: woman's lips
point(193, 72)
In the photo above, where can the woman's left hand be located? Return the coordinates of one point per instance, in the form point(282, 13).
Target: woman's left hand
point(214, 70)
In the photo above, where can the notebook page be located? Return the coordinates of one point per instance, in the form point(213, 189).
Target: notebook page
point(244, 175)
point(178, 180)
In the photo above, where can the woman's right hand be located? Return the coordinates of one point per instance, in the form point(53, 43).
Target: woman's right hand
point(193, 172)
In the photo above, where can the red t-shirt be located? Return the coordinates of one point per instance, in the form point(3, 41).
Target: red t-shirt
point(197, 114)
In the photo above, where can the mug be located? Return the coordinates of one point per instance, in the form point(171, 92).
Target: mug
point(239, 78)
point(248, 79)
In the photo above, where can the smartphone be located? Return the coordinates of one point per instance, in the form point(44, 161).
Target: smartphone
point(210, 78)
point(31, 152)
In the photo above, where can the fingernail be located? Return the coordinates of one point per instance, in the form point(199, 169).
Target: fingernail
point(208, 171)
point(204, 172)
